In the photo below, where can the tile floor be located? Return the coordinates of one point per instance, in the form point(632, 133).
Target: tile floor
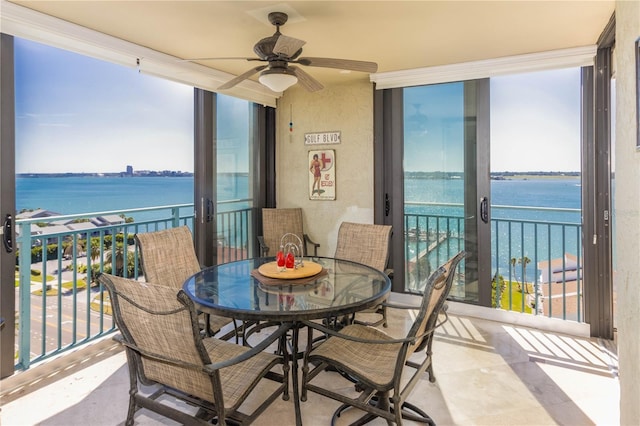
point(488, 373)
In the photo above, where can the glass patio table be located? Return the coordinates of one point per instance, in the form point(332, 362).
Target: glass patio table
point(239, 290)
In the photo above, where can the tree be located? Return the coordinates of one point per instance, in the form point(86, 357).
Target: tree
point(498, 287)
point(513, 262)
point(119, 255)
point(524, 261)
point(95, 248)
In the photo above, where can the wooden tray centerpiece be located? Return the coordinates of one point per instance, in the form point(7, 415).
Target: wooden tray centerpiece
point(304, 270)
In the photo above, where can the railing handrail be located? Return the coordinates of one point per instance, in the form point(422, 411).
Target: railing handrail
point(495, 206)
point(512, 239)
point(105, 213)
point(61, 247)
point(238, 239)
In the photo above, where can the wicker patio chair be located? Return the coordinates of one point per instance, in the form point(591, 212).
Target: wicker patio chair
point(276, 223)
point(168, 257)
point(160, 332)
point(367, 244)
point(377, 361)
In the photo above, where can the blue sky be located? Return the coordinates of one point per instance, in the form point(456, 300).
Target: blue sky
point(79, 114)
point(535, 124)
point(535, 121)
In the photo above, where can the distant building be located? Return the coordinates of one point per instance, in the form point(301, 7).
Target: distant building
point(32, 214)
point(129, 170)
point(55, 230)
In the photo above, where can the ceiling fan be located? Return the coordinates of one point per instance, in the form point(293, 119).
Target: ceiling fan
point(279, 52)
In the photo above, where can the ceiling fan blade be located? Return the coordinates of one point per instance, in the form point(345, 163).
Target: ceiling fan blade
point(308, 82)
point(342, 64)
point(222, 58)
point(229, 84)
point(287, 46)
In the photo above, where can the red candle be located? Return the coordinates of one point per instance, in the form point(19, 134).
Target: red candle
point(290, 261)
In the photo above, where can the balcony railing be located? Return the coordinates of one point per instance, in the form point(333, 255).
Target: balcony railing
point(536, 264)
point(59, 304)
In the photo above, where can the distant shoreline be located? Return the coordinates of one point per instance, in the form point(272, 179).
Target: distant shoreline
point(530, 175)
point(410, 175)
point(142, 173)
point(526, 176)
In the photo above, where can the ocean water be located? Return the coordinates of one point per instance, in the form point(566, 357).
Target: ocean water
point(547, 193)
point(536, 230)
point(69, 195)
point(72, 195)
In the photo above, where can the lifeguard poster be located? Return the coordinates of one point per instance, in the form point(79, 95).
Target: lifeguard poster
point(322, 174)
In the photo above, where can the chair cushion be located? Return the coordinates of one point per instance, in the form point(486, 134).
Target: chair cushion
point(364, 243)
point(241, 377)
point(277, 222)
point(358, 358)
point(168, 256)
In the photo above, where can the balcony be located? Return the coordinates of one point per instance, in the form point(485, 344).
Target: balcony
point(58, 311)
point(520, 375)
point(536, 264)
point(487, 373)
point(59, 305)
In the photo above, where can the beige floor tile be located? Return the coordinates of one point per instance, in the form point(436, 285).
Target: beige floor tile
point(487, 373)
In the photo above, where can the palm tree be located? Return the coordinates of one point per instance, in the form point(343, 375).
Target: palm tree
point(95, 248)
point(513, 262)
point(524, 261)
point(119, 254)
point(499, 286)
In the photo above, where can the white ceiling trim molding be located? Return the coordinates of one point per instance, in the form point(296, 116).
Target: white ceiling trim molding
point(25, 23)
point(555, 59)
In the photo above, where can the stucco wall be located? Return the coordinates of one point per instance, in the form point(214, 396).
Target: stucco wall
point(627, 212)
point(344, 108)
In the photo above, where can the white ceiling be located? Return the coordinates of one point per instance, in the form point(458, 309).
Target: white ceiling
point(398, 35)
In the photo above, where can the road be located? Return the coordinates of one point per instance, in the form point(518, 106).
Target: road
point(55, 323)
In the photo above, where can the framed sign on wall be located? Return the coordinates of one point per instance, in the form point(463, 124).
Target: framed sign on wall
point(322, 174)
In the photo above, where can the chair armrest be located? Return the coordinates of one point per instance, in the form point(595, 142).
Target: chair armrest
point(335, 333)
point(392, 305)
point(315, 245)
point(389, 272)
point(264, 344)
point(443, 310)
point(264, 248)
point(209, 367)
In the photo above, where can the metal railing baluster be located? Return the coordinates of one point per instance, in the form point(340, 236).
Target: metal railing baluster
point(511, 239)
point(431, 231)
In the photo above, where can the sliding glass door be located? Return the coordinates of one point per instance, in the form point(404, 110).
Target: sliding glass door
point(432, 183)
point(230, 175)
point(445, 183)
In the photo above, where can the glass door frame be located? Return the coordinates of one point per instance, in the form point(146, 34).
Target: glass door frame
point(262, 147)
point(204, 177)
point(7, 205)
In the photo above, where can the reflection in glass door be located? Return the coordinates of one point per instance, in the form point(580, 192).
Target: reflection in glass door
point(234, 200)
point(443, 212)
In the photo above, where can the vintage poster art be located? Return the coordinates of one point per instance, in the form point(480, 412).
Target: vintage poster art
point(322, 174)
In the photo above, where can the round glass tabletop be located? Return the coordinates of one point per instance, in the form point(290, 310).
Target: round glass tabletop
point(238, 290)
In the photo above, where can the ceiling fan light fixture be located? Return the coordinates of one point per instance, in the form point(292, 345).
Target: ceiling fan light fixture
point(278, 79)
